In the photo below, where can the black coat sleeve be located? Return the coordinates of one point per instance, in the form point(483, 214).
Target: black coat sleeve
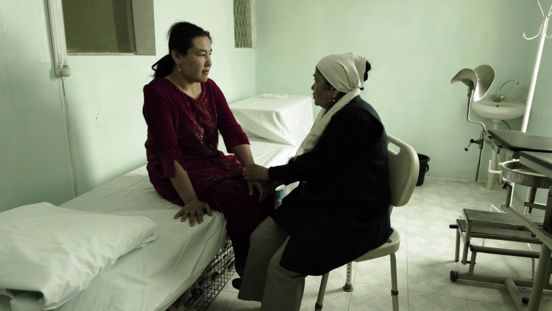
point(348, 131)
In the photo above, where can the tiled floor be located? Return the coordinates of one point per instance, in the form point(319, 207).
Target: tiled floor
point(423, 262)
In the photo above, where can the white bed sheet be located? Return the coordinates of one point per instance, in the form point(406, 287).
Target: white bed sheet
point(153, 277)
point(279, 118)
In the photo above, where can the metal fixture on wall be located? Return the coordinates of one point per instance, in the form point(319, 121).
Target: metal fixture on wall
point(61, 70)
point(57, 37)
point(542, 35)
point(478, 81)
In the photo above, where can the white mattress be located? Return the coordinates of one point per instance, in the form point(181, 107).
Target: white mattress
point(153, 277)
point(276, 117)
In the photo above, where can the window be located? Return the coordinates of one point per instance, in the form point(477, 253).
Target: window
point(109, 26)
point(243, 25)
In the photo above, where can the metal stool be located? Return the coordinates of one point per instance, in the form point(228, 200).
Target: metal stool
point(488, 225)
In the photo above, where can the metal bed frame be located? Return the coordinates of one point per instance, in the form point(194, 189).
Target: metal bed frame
point(211, 282)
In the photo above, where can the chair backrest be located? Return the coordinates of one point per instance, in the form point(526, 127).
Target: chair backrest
point(403, 170)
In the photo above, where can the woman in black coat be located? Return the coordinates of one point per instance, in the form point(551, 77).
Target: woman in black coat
point(339, 211)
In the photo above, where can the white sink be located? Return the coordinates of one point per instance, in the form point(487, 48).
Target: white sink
point(503, 110)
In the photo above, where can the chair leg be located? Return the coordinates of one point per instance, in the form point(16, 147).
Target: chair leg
point(348, 287)
point(457, 246)
point(394, 287)
point(467, 237)
point(321, 292)
point(472, 261)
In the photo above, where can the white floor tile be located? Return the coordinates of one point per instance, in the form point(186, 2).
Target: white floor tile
point(376, 274)
point(431, 302)
point(433, 278)
point(367, 297)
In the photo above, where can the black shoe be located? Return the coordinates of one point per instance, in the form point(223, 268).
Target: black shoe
point(236, 283)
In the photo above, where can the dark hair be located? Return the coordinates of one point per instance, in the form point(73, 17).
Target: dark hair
point(368, 67)
point(181, 36)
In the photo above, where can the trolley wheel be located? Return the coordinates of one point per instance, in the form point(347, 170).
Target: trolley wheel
point(453, 276)
point(525, 300)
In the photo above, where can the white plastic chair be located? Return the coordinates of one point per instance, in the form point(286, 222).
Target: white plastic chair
point(403, 174)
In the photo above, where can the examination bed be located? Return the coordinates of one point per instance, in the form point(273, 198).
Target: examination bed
point(166, 272)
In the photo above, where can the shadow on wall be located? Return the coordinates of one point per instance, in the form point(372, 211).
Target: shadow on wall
point(8, 137)
point(36, 150)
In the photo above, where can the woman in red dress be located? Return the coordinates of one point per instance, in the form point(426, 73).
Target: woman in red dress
point(184, 111)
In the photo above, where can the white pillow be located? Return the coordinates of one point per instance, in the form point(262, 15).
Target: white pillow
point(57, 251)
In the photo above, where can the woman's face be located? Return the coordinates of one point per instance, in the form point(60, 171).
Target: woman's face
point(323, 92)
point(195, 65)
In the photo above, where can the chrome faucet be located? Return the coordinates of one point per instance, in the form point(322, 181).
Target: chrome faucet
point(499, 97)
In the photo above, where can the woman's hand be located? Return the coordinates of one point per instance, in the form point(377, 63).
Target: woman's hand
point(254, 172)
point(265, 189)
point(194, 211)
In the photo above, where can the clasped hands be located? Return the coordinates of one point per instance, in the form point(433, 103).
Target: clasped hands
point(254, 172)
point(257, 180)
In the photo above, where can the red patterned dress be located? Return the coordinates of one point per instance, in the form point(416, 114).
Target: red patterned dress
point(186, 130)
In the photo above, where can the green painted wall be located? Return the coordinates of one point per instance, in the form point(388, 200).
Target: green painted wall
point(104, 94)
point(415, 48)
point(33, 153)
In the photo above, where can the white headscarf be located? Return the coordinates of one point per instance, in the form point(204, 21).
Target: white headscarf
point(345, 72)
